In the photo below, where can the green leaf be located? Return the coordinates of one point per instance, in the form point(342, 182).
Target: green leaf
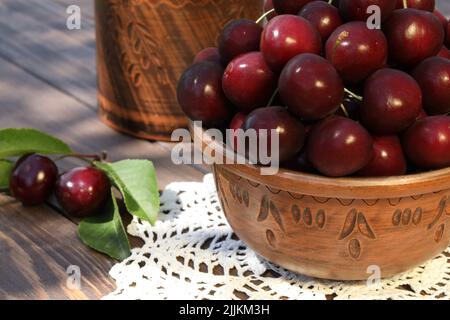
point(5, 171)
point(105, 232)
point(136, 180)
point(16, 142)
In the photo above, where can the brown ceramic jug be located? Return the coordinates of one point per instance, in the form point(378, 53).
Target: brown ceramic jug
point(143, 46)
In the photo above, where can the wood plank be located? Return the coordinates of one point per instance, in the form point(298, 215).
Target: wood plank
point(43, 107)
point(44, 47)
point(37, 245)
point(87, 6)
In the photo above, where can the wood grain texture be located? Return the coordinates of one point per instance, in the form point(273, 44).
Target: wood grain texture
point(37, 245)
point(142, 49)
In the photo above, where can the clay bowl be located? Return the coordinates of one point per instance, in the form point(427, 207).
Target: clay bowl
point(337, 228)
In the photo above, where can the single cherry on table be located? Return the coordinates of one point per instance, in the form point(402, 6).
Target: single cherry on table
point(32, 179)
point(82, 191)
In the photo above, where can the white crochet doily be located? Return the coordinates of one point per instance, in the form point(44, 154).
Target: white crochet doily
point(192, 253)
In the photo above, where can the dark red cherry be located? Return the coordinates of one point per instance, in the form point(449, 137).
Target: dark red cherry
point(238, 37)
point(289, 6)
point(427, 5)
point(291, 132)
point(356, 51)
point(427, 143)
point(388, 158)
point(441, 18)
point(236, 123)
point(268, 5)
point(299, 163)
point(201, 96)
point(448, 34)
point(339, 147)
point(392, 101)
point(444, 53)
point(357, 9)
point(32, 179)
point(82, 191)
point(324, 16)
point(433, 76)
point(209, 54)
point(287, 36)
point(413, 35)
point(248, 82)
point(311, 87)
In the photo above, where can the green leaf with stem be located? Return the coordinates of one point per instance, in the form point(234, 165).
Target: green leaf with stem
point(136, 180)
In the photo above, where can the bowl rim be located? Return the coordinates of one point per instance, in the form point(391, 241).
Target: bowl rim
point(344, 187)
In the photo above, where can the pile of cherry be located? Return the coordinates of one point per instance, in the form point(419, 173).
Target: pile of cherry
point(345, 99)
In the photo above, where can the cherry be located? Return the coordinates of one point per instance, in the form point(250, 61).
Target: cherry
point(339, 146)
point(238, 37)
point(201, 96)
point(427, 143)
point(413, 36)
point(291, 131)
point(444, 53)
point(388, 158)
point(287, 36)
point(427, 5)
point(311, 87)
point(236, 123)
point(433, 76)
point(209, 54)
point(392, 101)
point(289, 6)
point(32, 179)
point(357, 9)
point(441, 18)
point(268, 5)
point(323, 16)
point(299, 163)
point(448, 34)
point(248, 82)
point(82, 191)
point(356, 51)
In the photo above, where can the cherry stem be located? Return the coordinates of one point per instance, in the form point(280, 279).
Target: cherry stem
point(85, 157)
point(354, 95)
point(344, 110)
point(264, 15)
point(272, 98)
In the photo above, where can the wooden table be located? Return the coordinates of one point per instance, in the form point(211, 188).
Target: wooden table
point(48, 82)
